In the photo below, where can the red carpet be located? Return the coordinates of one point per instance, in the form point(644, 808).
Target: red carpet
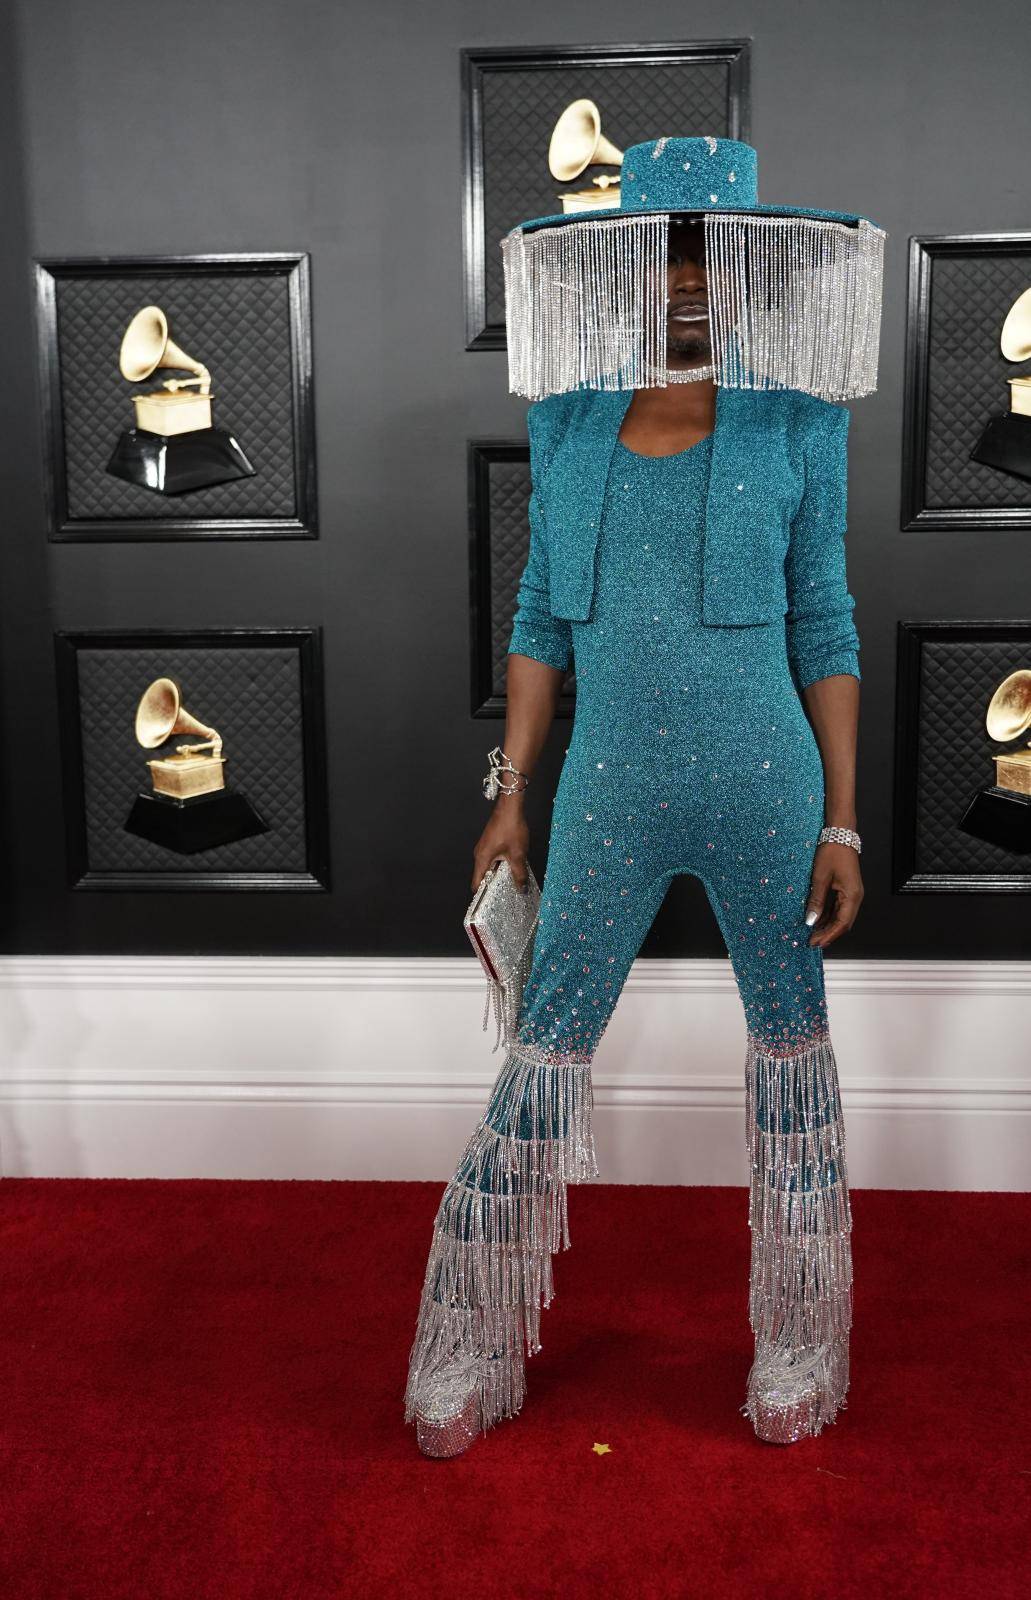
point(202, 1397)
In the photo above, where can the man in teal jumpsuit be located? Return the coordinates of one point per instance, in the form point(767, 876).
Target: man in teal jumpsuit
point(700, 593)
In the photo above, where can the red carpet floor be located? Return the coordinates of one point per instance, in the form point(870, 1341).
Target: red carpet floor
point(202, 1397)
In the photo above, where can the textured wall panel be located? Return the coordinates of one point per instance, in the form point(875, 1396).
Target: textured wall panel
point(521, 108)
point(251, 695)
point(953, 757)
point(966, 376)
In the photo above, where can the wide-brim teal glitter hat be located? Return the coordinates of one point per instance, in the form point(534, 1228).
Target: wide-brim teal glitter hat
point(794, 291)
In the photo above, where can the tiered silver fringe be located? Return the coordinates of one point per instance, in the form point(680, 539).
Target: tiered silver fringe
point(500, 1219)
point(800, 1289)
point(795, 302)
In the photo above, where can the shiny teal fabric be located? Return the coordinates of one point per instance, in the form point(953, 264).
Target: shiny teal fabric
point(690, 752)
point(774, 522)
point(689, 175)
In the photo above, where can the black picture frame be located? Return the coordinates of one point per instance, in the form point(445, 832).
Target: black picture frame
point(62, 525)
point(307, 643)
point(482, 456)
point(925, 251)
point(912, 637)
point(477, 64)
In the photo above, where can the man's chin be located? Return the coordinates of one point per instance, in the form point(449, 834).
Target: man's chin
point(686, 351)
point(688, 358)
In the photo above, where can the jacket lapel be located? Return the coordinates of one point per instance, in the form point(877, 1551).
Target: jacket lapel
point(745, 516)
point(574, 497)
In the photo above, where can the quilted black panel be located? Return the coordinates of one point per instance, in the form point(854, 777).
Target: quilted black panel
point(520, 108)
point(509, 545)
point(238, 325)
point(966, 376)
point(958, 679)
point(252, 695)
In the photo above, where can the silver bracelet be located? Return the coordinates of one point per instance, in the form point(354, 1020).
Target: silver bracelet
point(841, 836)
point(493, 783)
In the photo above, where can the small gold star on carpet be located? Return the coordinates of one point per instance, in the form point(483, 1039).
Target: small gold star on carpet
point(602, 1449)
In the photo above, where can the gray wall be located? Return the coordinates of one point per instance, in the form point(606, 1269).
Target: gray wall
point(336, 128)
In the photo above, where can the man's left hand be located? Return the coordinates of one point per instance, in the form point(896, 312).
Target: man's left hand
point(835, 892)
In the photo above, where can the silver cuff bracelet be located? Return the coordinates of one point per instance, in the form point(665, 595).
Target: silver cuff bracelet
point(493, 783)
point(841, 836)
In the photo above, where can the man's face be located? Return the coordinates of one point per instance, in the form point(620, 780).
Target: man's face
point(687, 294)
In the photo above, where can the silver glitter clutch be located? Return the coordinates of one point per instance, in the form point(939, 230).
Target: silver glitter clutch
point(501, 923)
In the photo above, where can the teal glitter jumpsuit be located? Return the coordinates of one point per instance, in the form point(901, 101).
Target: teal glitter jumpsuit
point(690, 752)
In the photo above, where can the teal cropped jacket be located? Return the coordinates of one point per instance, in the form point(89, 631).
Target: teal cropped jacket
point(774, 538)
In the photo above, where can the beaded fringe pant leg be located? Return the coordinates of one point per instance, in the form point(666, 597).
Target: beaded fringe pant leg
point(800, 1289)
point(501, 1218)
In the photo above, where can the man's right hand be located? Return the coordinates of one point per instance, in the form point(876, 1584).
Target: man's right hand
point(506, 834)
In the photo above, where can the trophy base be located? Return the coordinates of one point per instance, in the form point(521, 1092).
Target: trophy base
point(1001, 817)
point(200, 822)
point(1006, 444)
point(177, 462)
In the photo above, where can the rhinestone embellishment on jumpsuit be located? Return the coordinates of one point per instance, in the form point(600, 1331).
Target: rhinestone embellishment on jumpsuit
point(690, 753)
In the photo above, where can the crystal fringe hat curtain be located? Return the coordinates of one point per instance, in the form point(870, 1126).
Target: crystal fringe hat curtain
point(794, 302)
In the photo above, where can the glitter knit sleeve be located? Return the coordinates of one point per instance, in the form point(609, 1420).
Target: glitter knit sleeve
point(535, 632)
point(821, 635)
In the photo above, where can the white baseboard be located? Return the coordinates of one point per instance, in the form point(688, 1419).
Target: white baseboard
point(339, 1067)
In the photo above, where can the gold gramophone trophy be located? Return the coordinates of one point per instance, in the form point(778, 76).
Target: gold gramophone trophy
point(188, 807)
point(576, 144)
point(1006, 441)
point(174, 446)
point(1001, 813)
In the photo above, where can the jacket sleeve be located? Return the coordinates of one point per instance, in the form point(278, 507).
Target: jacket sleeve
point(821, 636)
point(535, 632)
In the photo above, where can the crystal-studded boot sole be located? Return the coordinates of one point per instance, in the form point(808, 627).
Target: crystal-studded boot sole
point(448, 1413)
point(792, 1397)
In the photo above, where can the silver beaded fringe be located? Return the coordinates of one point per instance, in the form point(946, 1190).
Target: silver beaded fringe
point(504, 1214)
point(500, 1219)
point(795, 302)
point(800, 1288)
point(505, 996)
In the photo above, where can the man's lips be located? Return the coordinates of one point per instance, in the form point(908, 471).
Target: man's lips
point(689, 313)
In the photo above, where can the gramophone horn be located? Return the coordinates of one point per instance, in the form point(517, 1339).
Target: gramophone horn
point(161, 713)
point(1009, 710)
point(1016, 330)
point(146, 346)
point(577, 142)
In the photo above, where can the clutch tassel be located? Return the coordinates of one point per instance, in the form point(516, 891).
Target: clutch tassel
point(506, 997)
